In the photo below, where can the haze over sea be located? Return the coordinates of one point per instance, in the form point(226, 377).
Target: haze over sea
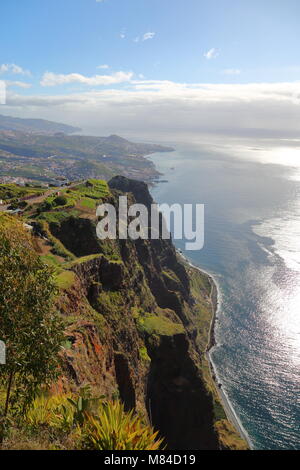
point(252, 233)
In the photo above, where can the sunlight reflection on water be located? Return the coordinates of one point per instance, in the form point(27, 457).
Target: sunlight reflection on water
point(252, 202)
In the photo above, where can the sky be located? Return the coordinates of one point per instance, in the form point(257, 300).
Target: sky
point(155, 67)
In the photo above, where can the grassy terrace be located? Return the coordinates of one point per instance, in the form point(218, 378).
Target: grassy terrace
point(73, 201)
point(9, 192)
point(65, 279)
point(78, 200)
point(161, 326)
point(54, 205)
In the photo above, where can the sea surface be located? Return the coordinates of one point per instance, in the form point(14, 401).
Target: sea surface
point(252, 248)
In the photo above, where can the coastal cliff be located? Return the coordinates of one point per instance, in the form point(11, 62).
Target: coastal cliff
point(137, 321)
point(137, 325)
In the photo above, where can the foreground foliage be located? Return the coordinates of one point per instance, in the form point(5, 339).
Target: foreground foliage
point(114, 429)
point(81, 422)
point(28, 325)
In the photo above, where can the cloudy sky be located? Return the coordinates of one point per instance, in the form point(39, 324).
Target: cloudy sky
point(155, 68)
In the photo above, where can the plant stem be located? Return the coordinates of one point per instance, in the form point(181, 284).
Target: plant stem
point(10, 381)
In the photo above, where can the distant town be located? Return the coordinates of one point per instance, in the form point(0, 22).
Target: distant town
point(46, 157)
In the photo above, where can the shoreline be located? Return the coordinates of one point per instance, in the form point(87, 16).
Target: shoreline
point(215, 296)
point(214, 300)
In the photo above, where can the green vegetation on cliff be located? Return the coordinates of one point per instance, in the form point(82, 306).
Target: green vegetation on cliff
point(80, 422)
point(29, 326)
point(78, 200)
point(10, 192)
point(136, 320)
point(161, 326)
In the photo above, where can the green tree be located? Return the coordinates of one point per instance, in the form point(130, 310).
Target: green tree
point(60, 201)
point(46, 206)
point(28, 324)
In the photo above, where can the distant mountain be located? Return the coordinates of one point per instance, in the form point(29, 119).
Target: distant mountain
point(115, 144)
point(40, 126)
point(115, 139)
point(44, 156)
point(41, 145)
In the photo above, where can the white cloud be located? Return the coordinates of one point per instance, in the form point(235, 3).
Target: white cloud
point(145, 37)
point(231, 72)
point(104, 67)
point(148, 36)
point(160, 108)
point(19, 84)
point(14, 69)
point(155, 91)
point(123, 33)
point(53, 79)
point(211, 54)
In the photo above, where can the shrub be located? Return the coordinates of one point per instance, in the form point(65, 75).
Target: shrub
point(114, 429)
point(60, 201)
point(46, 206)
point(83, 406)
point(83, 422)
point(53, 411)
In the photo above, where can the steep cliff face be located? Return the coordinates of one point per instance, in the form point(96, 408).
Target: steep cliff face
point(133, 327)
point(176, 397)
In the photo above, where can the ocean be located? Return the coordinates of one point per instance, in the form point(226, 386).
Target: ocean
point(252, 240)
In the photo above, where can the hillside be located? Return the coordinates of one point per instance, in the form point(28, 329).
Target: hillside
point(34, 125)
point(75, 146)
point(47, 157)
point(136, 319)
